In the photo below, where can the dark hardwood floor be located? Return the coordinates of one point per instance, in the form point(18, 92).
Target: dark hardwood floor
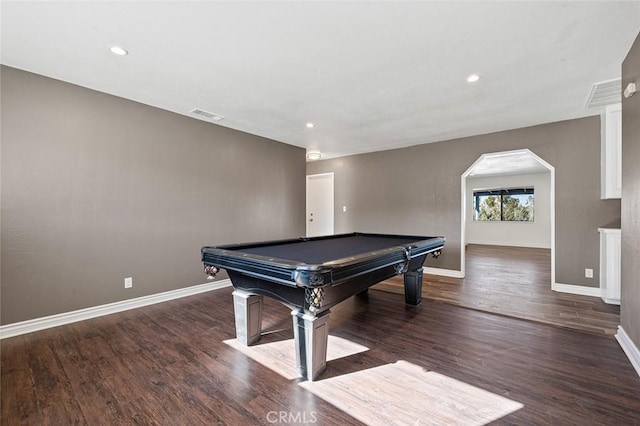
point(516, 282)
point(167, 364)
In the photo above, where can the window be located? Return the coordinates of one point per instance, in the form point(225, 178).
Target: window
point(505, 204)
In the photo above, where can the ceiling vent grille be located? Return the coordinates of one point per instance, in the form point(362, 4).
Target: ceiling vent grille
point(206, 114)
point(605, 93)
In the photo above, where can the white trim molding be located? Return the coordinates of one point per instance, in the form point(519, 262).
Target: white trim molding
point(443, 272)
point(610, 274)
point(51, 321)
point(629, 348)
point(577, 289)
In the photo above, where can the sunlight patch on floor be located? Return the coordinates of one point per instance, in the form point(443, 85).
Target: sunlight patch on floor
point(280, 356)
point(406, 394)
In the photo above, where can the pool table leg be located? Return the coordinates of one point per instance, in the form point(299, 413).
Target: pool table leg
point(311, 334)
point(248, 313)
point(413, 287)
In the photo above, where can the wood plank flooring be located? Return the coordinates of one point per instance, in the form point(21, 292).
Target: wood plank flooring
point(167, 364)
point(516, 281)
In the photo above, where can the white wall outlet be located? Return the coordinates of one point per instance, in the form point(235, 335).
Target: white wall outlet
point(344, 209)
point(128, 282)
point(588, 273)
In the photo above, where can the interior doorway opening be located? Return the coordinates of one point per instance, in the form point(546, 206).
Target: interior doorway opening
point(491, 168)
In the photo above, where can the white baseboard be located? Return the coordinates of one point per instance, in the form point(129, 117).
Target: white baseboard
point(629, 348)
point(577, 289)
point(611, 301)
point(443, 272)
point(36, 324)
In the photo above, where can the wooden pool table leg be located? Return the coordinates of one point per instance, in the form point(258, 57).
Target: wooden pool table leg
point(413, 287)
point(248, 314)
point(311, 334)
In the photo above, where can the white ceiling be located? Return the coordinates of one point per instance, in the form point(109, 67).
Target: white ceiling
point(370, 75)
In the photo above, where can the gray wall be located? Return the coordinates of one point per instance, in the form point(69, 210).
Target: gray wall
point(96, 188)
point(417, 190)
point(630, 296)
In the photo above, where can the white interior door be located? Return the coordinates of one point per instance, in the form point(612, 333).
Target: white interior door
point(320, 204)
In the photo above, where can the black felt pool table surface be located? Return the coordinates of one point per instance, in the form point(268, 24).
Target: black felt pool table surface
point(326, 250)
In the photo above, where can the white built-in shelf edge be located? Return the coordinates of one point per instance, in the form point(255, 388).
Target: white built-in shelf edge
point(610, 249)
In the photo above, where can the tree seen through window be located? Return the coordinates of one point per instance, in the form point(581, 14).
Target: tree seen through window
point(513, 205)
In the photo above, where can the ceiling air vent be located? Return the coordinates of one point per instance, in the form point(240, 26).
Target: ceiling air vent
point(605, 93)
point(206, 114)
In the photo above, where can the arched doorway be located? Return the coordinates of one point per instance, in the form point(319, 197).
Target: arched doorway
point(507, 163)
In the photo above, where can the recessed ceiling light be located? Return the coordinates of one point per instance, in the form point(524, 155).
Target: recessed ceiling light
point(314, 155)
point(120, 51)
point(310, 125)
point(473, 78)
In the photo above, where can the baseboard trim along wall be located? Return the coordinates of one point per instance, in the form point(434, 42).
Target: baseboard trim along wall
point(51, 321)
point(577, 289)
point(443, 272)
point(629, 348)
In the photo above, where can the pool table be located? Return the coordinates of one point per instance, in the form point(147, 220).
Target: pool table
point(310, 275)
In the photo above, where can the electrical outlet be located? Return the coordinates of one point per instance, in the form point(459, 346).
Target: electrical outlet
point(128, 282)
point(588, 273)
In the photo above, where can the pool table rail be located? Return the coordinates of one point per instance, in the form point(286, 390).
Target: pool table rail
point(332, 272)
